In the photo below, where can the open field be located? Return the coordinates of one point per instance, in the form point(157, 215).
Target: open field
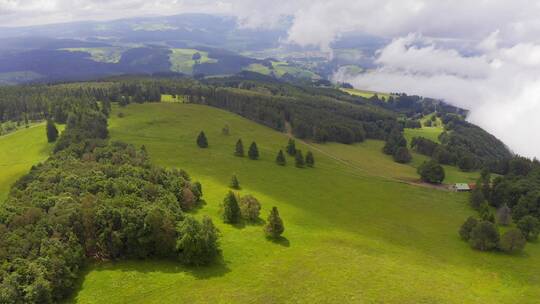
point(280, 69)
point(19, 151)
point(102, 54)
point(366, 93)
point(353, 235)
point(182, 60)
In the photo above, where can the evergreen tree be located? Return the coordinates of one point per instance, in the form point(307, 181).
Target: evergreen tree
point(310, 160)
point(280, 159)
point(253, 152)
point(291, 147)
point(299, 159)
point(274, 227)
point(202, 142)
point(235, 184)
point(52, 131)
point(239, 148)
point(230, 209)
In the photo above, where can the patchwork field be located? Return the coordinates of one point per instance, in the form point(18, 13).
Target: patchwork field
point(182, 60)
point(19, 151)
point(353, 233)
point(366, 93)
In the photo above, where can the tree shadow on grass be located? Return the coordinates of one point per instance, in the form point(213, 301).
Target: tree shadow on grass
point(218, 268)
point(281, 240)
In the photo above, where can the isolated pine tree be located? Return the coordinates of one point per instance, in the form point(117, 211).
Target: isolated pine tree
point(239, 148)
point(235, 184)
point(202, 142)
point(291, 147)
point(230, 209)
point(310, 161)
point(253, 152)
point(274, 227)
point(52, 131)
point(280, 159)
point(299, 159)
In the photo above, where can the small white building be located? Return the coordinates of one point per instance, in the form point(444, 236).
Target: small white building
point(462, 187)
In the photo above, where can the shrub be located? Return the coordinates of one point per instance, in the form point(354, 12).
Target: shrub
point(431, 172)
point(249, 208)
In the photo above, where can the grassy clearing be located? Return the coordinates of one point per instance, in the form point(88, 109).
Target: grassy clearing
point(20, 150)
point(281, 68)
point(352, 236)
point(103, 54)
point(182, 60)
point(431, 133)
point(170, 98)
point(366, 93)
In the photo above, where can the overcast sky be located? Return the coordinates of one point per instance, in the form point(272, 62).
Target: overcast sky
point(500, 83)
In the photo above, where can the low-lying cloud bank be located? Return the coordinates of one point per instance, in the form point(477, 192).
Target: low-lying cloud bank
point(501, 86)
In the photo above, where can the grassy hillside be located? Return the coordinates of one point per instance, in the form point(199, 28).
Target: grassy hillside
point(367, 94)
point(20, 150)
point(353, 235)
point(182, 60)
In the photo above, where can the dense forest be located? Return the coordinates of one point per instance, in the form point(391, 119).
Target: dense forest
point(95, 200)
point(308, 111)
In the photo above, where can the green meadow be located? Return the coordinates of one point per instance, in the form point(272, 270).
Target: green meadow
point(18, 152)
point(354, 231)
point(366, 93)
point(182, 60)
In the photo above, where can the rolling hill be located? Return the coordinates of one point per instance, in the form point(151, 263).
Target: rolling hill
point(352, 234)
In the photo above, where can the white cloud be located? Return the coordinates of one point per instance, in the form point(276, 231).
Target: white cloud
point(500, 87)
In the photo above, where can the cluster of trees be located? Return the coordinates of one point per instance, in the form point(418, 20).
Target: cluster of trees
point(516, 199)
point(396, 145)
point(236, 208)
point(483, 235)
point(299, 160)
point(253, 151)
point(431, 172)
point(95, 200)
